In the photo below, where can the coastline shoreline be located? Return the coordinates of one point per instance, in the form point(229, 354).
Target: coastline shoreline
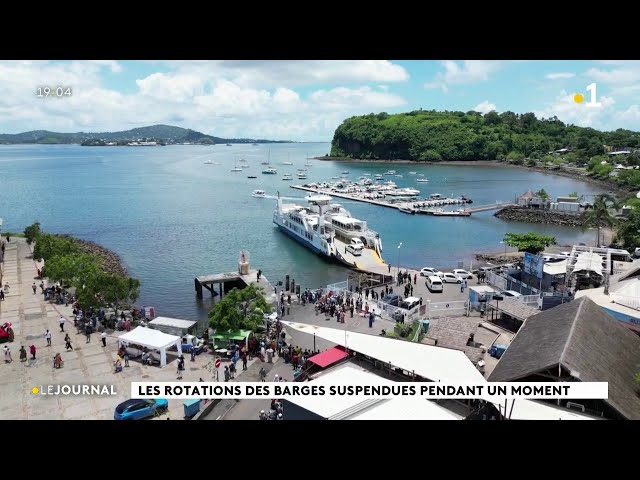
point(619, 190)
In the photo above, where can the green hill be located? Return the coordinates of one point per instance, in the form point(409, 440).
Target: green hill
point(437, 136)
point(161, 133)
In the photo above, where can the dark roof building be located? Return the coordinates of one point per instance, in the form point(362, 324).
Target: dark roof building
point(577, 341)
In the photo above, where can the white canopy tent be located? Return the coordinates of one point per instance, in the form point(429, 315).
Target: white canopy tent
point(153, 340)
point(588, 262)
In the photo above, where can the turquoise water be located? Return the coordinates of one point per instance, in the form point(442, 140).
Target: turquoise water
point(171, 217)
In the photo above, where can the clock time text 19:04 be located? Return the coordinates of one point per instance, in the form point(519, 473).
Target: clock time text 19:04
point(51, 92)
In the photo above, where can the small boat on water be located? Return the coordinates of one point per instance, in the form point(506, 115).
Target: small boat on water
point(252, 176)
point(302, 175)
point(407, 210)
point(366, 174)
point(287, 176)
point(228, 144)
point(259, 194)
point(345, 173)
point(308, 164)
point(270, 171)
point(399, 176)
point(412, 173)
point(421, 174)
point(335, 178)
point(236, 169)
point(209, 162)
point(422, 180)
point(287, 163)
point(302, 169)
point(390, 172)
point(454, 213)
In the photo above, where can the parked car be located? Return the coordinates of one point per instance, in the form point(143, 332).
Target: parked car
point(429, 271)
point(434, 283)
point(487, 269)
point(449, 277)
point(510, 293)
point(141, 408)
point(462, 273)
point(392, 299)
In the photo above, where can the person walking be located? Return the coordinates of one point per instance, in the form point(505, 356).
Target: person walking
point(32, 349)
point(34, 288)
point(47, 335)
point(7, 355)
point(1, 294)
point(67, 342)
point(263, 374)
point(23, 354)
point(126, 358)
point(103, 337)
point(244, 360)
point(87, 332)
point(61, 323)
point(227, 375)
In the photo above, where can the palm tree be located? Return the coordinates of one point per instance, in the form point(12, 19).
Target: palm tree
point(599, 215)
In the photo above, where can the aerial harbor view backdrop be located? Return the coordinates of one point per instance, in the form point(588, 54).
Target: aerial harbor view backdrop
point(323, 223)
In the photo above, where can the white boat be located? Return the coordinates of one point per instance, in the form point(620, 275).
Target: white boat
point(287, 163)
point(399, 176)
point(287, 176)
point(236, 169)
point(268, 159)
point(366, 174)
point(422, 180)
point(390, 172)
point(454, 213)
point(407, 210)
point(270, 171)
point(302, 176)
point(259, 194)
point(421, 174)
point(412, 173)
point(308, 164)
point(302, 169)
point(325, 228)
point(345, 173)
point(209, 162)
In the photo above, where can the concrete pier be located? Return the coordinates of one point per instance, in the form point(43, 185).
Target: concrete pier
point(229, 280)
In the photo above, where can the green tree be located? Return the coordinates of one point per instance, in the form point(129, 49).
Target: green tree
point(529, 242)
point(542, 193)
point(48, 245)
point(599, 215)
point(239, 310)
point(117, 290)
point(71, 269)
point(32, 232)
point(629, 230)
point(574, 195)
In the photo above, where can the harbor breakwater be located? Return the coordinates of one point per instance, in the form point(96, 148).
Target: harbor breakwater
point(535, 215)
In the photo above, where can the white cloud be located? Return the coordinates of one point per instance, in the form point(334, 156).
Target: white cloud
point(631, 115)
point(558, 76)
point(270, 73)
point(567, 110)
point(461, 73)
point(112, 64)
point(485, 107)
point(210, 102)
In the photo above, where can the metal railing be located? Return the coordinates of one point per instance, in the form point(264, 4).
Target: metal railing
point(626, 301)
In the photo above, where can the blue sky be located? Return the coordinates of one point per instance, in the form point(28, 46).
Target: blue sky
point(305, 100)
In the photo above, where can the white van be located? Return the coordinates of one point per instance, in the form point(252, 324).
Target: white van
point(356, 247)
point(434, 284)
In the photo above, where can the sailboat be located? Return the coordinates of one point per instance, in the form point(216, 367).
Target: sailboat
point(287, 162)
point(268, 159)
point(236, 167)
point(308, 164)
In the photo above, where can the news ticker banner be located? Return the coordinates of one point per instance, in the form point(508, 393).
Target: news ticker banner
point(289, 390)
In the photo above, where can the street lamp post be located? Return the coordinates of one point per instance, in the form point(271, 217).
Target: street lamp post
point(505, 249)
point(399, 245)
